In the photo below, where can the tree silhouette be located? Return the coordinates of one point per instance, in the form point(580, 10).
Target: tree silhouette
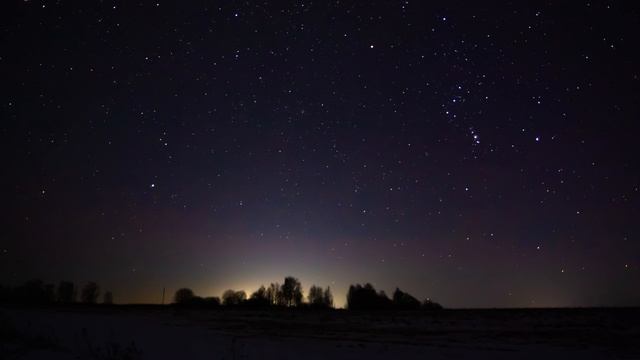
point(90, 293)
point(66, 292)
point(212, 301)
point(107, 298)
point(31, 292)
point(315, 296)
point(49, 293)
point(229, 297)
point(183, 296)
point(352, 297)
point(327, 298)
point(292, 291)
point(5, 294)
point(404, 301)
point(233, 298)
point(260, 294)
point(428, 304)
point(366, 298)
point(275, 295)
point(289, 294)
point(259, 298)
point(319, 298)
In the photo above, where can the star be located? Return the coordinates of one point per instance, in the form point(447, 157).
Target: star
point(288, 140)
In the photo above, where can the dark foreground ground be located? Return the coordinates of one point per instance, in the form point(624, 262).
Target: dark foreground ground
point(148, 332)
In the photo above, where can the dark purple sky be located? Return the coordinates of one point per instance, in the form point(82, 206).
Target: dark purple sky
point(480, 156)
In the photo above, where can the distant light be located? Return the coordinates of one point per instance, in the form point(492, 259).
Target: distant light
point(153, 186)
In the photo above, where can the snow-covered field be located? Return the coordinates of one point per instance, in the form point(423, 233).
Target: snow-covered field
point(165, 333)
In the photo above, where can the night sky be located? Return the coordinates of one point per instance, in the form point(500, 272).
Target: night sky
point(483, 155)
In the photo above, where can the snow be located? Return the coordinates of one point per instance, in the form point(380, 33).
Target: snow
point(159, 333)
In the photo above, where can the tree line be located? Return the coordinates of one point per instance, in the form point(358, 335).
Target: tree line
point(290, 294)
point(287, 294)
point(36, 292)
point(365, 297)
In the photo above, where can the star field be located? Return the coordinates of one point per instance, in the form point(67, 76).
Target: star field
point(483, 156)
